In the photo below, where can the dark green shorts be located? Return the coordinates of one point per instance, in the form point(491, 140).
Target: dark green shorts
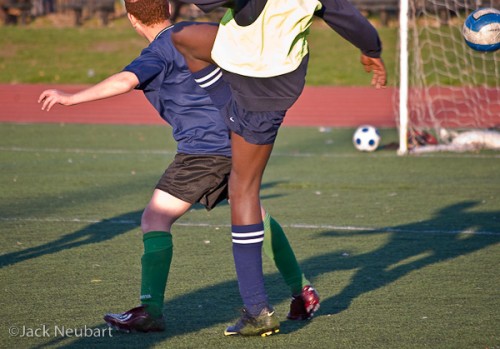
point(197, 178)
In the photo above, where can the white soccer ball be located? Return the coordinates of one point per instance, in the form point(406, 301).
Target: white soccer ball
point(366, 138)
point(481, 30)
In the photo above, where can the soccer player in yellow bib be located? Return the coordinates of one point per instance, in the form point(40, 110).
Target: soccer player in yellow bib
point(253, 65)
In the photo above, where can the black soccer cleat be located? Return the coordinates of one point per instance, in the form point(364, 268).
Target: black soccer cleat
point(135, 320)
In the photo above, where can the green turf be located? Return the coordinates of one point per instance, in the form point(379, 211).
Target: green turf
point(66, 55)
point(403, 250)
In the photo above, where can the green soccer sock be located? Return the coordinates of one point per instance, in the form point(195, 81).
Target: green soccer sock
point(277, 247)
point(155, 268)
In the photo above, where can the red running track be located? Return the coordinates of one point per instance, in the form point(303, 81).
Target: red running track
point(317, 106)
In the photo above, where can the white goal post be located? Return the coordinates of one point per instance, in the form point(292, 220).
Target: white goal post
point(444, 85)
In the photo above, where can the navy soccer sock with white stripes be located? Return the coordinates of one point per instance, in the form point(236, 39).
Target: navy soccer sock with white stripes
point(210, 79)
point(247, 253)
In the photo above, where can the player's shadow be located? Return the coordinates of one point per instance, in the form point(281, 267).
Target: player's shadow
point(91, 234)
point(410, 247)
point(454, 231)
point(94, 233)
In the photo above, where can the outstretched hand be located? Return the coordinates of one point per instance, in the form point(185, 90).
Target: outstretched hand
point(50, 97)
point(375, 65)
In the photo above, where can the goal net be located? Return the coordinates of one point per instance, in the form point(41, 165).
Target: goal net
point(445, 86)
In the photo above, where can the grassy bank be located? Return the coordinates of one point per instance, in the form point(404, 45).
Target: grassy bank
point(47, 54)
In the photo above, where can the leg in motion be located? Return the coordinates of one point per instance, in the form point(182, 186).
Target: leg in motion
point(162, 211)
point(258, 317)
point(305, 299)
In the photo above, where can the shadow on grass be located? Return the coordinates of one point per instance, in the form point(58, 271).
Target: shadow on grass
point(190, 313)
point(91, 234)
point(410, 247)
point(94, 233)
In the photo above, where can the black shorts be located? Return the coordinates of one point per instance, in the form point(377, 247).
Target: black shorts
point(197, 178)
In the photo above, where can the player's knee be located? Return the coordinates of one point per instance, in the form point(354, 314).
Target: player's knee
point(156, 220)
point(150, 221)
point(145, 225)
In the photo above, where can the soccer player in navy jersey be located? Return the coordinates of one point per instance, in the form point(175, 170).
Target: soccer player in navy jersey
point(199, 172)
point(254, 65)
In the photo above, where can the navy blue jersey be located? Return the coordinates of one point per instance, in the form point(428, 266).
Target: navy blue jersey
point(166, 81)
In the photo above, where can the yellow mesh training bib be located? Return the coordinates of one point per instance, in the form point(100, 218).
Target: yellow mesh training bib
point(274, 44)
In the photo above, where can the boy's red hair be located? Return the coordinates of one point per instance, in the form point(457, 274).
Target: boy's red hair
point(149, 12)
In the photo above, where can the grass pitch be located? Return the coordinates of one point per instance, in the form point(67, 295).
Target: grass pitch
point(403, 250)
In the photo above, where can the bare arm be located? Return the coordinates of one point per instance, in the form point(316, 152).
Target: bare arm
point(114, 85)
point(194, 41)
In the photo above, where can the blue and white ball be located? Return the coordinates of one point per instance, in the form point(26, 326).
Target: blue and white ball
point(366, 138)
point(481, 30)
